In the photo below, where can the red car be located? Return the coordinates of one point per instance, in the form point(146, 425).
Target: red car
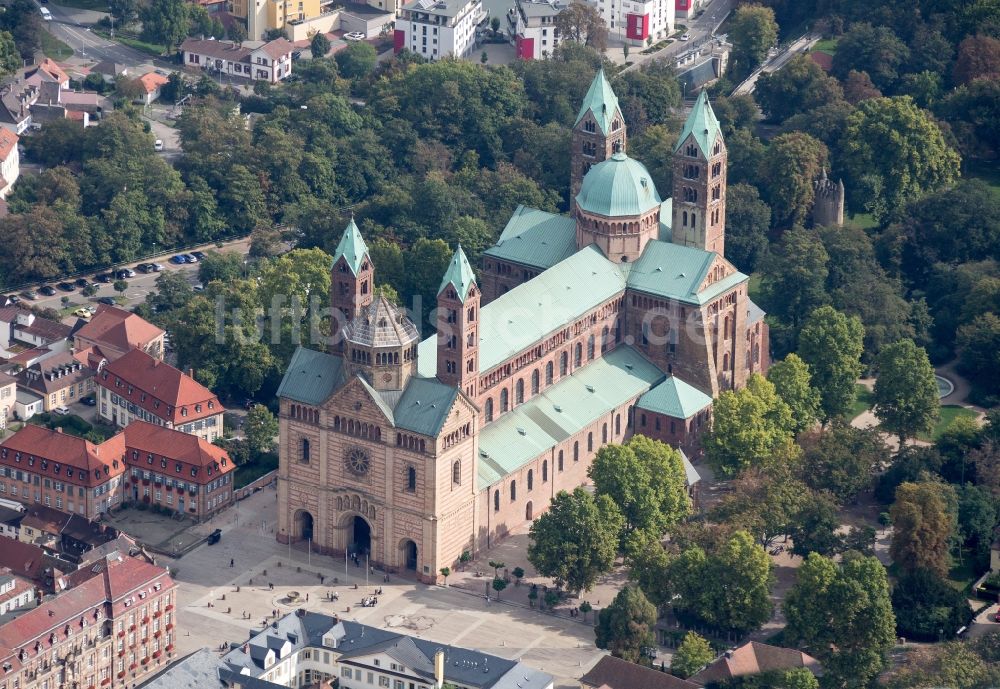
point(996, 617)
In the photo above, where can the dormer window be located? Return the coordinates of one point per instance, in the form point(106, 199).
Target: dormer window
point(184, 411)
point(178, 467)
point(135, 454)
point(197, 408)
point(211, 405)
point(194, 472)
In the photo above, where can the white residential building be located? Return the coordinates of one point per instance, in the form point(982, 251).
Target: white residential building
point(10, 161)
point(637, 22)
point(270, 62)
point(439, 28)
point(532, 25)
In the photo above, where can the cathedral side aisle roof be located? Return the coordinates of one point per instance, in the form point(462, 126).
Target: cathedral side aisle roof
point(531, 311)
point(535, 238)
point(529, 429)
point(673, 397)
point(676, 272)
point(311, 376)
point(601, 101)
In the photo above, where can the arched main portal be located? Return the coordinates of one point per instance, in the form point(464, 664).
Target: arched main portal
point(409, 549)
point(304, 525)
point(361, 536)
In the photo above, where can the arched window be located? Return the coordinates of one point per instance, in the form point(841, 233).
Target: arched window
point(579, 355)
point(489, 410)
point(548, 373)
point(456, 473)
point(534, 382)
point(590, 442)
point(563, 364)
point(590, 348)
point(305, 451)
point(411, 479)
point(604, 434)
point(684, 220)
point(531, 479)
point(545, 471)
point(725, 361)
point(519, 392)
point(604, 340)
point(725, 328)
point(576, 451)
point(618, 424)
point(504, 401)
point(560, 460)
point(496, 501)
point(513, 491)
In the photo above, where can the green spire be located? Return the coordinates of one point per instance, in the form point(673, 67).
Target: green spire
point(352, 247)
point(459, 274)
point(702, 124)
point(601, 101)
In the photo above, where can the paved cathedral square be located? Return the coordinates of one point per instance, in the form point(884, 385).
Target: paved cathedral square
point(579, 331)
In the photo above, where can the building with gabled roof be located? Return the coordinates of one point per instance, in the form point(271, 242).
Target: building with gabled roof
point(113, 332)
point(577, 332)
point(615, 673)
point(140, 386)
point(754, 658)
point(59, 380)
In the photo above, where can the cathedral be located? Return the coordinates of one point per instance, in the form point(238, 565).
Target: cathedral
point(578, 331)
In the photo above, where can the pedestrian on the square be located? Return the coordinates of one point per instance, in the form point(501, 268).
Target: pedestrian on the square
point(307, 598)
point(232, 563)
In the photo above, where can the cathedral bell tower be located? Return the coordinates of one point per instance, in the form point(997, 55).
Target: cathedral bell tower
point(351, 279)
point(458, 326)
point(599, 132)
point(699, 193)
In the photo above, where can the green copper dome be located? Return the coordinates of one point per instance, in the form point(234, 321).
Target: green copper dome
point(619, 186)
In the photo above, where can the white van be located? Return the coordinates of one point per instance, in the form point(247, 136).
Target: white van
point(46, 15)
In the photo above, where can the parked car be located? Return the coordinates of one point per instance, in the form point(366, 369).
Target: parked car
point(89, 401)
point(66, 286)
point(156, 267)
point(686, 37)
point(13, 299)
point(104, 277)
point(125, 273)
point(83, 312)
point(46, 15)
point(200, 255)
point(47, 290)
point(144, 267)
point(81, 282)
point(158, 145)
point(214, 537)
point(178, 259)
point(61, 411)
point(110, 301)
point(354, 36)
point(191, 258)
point(30, 294)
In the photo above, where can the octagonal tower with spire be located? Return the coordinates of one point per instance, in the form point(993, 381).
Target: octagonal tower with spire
point(699, 193)
point(599, 132)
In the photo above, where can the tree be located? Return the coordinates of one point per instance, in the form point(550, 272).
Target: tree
point(800, 85)
point(858, 86)
point(582, 22)
point(165, 22)
point(576, 540)
point(728, 589)
point(645, 479)
point(978, 515)
point(814, 528)
point(791, 380)
point(764, 502)
point(445, 572)
point(793, 282)
point(865, 47)
point(927, 607)
point(261, 428)
point(842, 459)
point(894, 152)
point(124, 11)
point(499, 585)
point(978, 344)
point(752, 31)
point(748, 427)
point(221, 266)
point(906, 393)
point(495, 24)
point(120, 286)
point(626, 626)
point(10, 58)
point(356, 60)
point(693, 654)
point(319, 45)
point(978, 58)
point(793, 161)
point(923, 520)
point(831, 344)
point(237, 32)
point(647, 561)
point(748, 220)
point(842, 615)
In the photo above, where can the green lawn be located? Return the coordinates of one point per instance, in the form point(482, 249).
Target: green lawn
point(98, 5)
point(962, 575)
point(949, 413)
point(863, 402)
point(54, 48)
point(154, 49)
point(827, 45)
point(863, 220)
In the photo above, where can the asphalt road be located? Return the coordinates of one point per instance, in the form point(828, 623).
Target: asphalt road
point(71, 26)
point(700, 30)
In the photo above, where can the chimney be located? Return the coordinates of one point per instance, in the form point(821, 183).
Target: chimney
point(438, 669)
point(59, 429)
point(191, 372)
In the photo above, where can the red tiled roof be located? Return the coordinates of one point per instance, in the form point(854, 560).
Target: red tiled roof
point(278, 47)
point(753, 658)
point(53, 70)
point(77, 606)
point(23, 559)
point(76, 115)
point(152, 81)
point(62, 456)
point(144, 439)
point(159, 388)
point(616, 673)
point(121, 329)
point(8, 141)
